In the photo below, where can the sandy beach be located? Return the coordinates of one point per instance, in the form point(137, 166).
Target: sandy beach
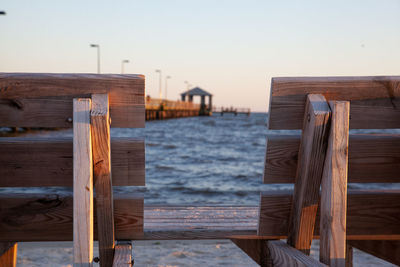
point(164, 254)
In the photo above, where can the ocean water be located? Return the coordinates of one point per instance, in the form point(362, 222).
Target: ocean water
point(205, 160)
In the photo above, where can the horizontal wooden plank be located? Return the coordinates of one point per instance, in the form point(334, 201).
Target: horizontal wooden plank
point(36, 217)
point(199, 222)
point(374, 100)
point(47, 218)
point(282, 254)
point(45, 100)
point(49, 162)
point(370, 214)
point(373, 158)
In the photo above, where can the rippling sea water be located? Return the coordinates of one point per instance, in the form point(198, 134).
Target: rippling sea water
point(205, 160)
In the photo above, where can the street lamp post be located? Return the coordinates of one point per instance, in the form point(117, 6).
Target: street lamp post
point(187, 85)
point(122, 65)
point(159, 71)
point(166, 79)
point(98, 56)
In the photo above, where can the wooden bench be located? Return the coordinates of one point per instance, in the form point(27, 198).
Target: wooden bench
point(323, 159)
point(87, 103)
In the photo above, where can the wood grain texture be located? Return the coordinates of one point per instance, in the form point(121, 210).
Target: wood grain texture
point(312, 151)
point(37, 217)
point(199, 222)
point(102, 177)
point(370, 214)
point(373, 158)
point(25, 162)
point(123, 255)
point(23, 97)
point(374, 100)
point(284, 255)
point(256, 249)
point(83, 184)
point(388, 250)
point(8, 254)
point(334, 188)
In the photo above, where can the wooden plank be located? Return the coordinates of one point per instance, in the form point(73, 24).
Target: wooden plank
point(8, 254)
point(24, 158)
point(23, 97)
point(309, 173)
point(334, 188)
point(123, 255)
point(49, 218)
point(388, 250)
point(284, 255)
point(373, 158)
point(38, 217)
point(83, 184)
point(371, 214)
point(100, 123)
point(199, 222)
point(374, 100)
point(257, 249)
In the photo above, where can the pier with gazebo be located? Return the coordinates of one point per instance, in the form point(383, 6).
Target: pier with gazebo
point(162, 109)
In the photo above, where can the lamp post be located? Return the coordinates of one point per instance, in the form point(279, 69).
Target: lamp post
point(98, 55)
point(122, 65)
point(159, 71)
point(187, 85)
point(166, 79)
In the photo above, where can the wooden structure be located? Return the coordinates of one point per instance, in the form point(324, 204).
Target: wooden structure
point(316, 162)
point(160, 109)
point(87, 103)
point(323, 160)
point(205, 110)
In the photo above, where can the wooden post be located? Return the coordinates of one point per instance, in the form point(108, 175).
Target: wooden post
point(83, 184)
point(310, 166)
point(334, 188)
point(100, 123)
point(8, 254)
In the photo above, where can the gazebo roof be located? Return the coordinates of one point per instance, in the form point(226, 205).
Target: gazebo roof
point(196, 91)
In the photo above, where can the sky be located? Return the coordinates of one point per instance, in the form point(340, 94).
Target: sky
point(230, 48)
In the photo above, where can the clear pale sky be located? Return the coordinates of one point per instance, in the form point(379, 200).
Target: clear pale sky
point(230, 48)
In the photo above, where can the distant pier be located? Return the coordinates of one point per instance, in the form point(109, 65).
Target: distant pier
point(161, 109)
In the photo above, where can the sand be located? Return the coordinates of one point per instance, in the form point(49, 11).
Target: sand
point(164, 254)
